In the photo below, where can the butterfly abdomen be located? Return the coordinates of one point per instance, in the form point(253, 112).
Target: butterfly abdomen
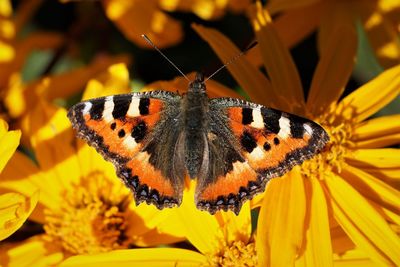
point(194, 108)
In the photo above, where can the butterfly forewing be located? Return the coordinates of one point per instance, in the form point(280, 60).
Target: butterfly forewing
point(127, 130)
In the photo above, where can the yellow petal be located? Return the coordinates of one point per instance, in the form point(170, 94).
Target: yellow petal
point(91, 161)
point(333, 70)
point(134, 18)
point(377, 142)
point(205, 9)
point(151, 216)
point(277, 61)
point(281, 221)
point(171, 225)
point(372, 188)
point(362, 223)
point(115, 80)
point(253, 82)
point(383, 131)
point(9, 141)
point(31, 252)
point(5, 8)
point(384, 88)
point(7, 52)
point(14, 97)
point(257, 200)
point(393, 218)
point(340, 240)
point(381, 30)
point(275, 6)
point(389, 176)
point(375, 158)
point(14, 210)
point(139, 257)
point(336, 15)
point(296, 24)
point(71, 82)
point(318, 247)
point(154, 238)
point(14, 178)
point(194, 222)
point(52, 138)
point(29, 179)
point(353, 258)
point(237, 227)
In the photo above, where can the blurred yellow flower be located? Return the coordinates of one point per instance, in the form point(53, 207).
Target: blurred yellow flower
point(379, 18)
point(150, 17)
point(351, 185)
point(9, 141)
point(18, 96)
point(14, 208)
point(83, 207)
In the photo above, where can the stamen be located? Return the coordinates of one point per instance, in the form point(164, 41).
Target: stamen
point(92, 219)
point(333, 156)
point(235, 254)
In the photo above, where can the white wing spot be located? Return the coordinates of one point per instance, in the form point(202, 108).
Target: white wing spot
point(87, 108)
point(308, 129)
point(257, 154)
point(258, 121)
point(108, 109)
point(284, 125)
point(130, 142)
point(133, 110)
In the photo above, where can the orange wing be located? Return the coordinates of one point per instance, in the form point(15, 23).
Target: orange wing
point(263, 143)
point(121, 127)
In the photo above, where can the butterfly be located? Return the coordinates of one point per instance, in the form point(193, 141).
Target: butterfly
point(231, 146)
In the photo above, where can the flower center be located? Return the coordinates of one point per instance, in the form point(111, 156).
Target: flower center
point(332, 157)
point(235, 254)
point(92, 218)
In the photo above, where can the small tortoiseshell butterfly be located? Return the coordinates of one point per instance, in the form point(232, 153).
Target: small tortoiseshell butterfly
point(233, 147)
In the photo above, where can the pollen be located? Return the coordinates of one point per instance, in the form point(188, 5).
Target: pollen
point(332, 157)
point(234, 254)
point(91, 219)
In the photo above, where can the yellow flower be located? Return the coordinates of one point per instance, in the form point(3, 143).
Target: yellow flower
point(9, 141)
point(380, 20)
point(83, 207)
point(351, 185)
point(223, 239)
point(150, 17)
point(14, 208)
point(18, 96)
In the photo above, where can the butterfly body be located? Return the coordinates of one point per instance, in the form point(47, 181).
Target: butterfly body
point(232, 147)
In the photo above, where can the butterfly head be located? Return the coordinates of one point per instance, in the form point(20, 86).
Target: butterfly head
point(198, 85)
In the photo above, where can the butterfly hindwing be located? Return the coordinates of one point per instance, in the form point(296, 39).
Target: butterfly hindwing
point(125, 130)
point(252, 144)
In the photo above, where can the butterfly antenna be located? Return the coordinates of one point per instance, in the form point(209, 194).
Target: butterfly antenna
point(233, 59)
point(147, 39)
